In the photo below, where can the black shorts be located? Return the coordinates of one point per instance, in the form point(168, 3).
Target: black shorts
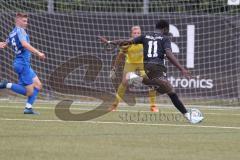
point(157, 78)
point(154, 71)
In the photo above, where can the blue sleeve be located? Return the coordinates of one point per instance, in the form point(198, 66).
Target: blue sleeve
point(22, 36)
point(138, 40)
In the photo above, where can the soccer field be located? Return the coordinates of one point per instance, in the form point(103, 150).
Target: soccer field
point(71, 60)
point(118, 135)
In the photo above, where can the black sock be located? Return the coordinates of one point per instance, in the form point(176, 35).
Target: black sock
point(177, 102)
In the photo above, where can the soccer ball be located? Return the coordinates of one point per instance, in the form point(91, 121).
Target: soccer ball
point(195, 112)
point(195, 115)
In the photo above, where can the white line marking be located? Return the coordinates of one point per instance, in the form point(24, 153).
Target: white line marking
point(122, 123)
point(81, 103)
point(126, 110)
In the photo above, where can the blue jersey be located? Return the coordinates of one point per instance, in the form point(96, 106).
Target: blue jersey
point(22, 55)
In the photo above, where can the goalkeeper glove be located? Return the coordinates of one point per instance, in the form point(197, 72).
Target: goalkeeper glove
point(113, 73)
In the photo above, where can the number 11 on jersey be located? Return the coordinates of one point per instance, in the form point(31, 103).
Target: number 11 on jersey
point(152, 47)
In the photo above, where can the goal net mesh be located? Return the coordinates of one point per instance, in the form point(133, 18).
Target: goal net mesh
point(205, 40)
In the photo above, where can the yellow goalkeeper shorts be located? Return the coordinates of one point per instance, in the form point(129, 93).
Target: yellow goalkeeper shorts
point(138, 68)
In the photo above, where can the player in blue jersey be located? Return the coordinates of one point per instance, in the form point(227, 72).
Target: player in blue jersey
point(28, 82)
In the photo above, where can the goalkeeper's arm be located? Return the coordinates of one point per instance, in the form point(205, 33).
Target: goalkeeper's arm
point(120, 56)
point(118, 59)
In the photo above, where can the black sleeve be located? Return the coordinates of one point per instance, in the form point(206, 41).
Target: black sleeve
point(138, 40)
point(167, 44)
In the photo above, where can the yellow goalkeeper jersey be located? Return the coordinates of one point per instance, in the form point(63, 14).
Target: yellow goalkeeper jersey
point(134, 53)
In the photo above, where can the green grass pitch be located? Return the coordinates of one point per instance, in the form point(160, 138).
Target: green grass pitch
point(121, 135)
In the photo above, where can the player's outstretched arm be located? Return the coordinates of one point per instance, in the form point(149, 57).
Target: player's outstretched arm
point(3, 45)
point(116, 42)
point(176, 63)
point(122, 42)
point(33, 50)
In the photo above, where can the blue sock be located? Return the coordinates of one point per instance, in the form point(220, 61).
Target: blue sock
point(33, 97)
point(18, 89)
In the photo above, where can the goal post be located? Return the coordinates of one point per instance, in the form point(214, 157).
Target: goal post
point(205, 40)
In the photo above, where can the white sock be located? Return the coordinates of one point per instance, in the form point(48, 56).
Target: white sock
point(28, 105)
point(9, 85)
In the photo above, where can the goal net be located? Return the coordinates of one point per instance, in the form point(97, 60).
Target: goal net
point(205, 40)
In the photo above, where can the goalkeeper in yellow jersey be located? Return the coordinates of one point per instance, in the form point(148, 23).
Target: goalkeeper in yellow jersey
point(133, 55)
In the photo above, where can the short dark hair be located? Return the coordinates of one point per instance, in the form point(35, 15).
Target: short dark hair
point(162, 24)
point(21, 15)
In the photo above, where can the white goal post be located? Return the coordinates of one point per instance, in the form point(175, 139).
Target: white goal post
point(205, 40)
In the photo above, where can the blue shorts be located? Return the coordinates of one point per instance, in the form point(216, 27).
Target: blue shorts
point(25, 74)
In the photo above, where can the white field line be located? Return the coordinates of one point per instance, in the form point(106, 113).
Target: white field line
point(122, 123)
point(126, 110)
point(79, 103)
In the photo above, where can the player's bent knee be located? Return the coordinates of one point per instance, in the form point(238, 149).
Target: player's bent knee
point(164, 90)
point(164, 86)
point(171, 93)
point(29, 92)
point(38, 86)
